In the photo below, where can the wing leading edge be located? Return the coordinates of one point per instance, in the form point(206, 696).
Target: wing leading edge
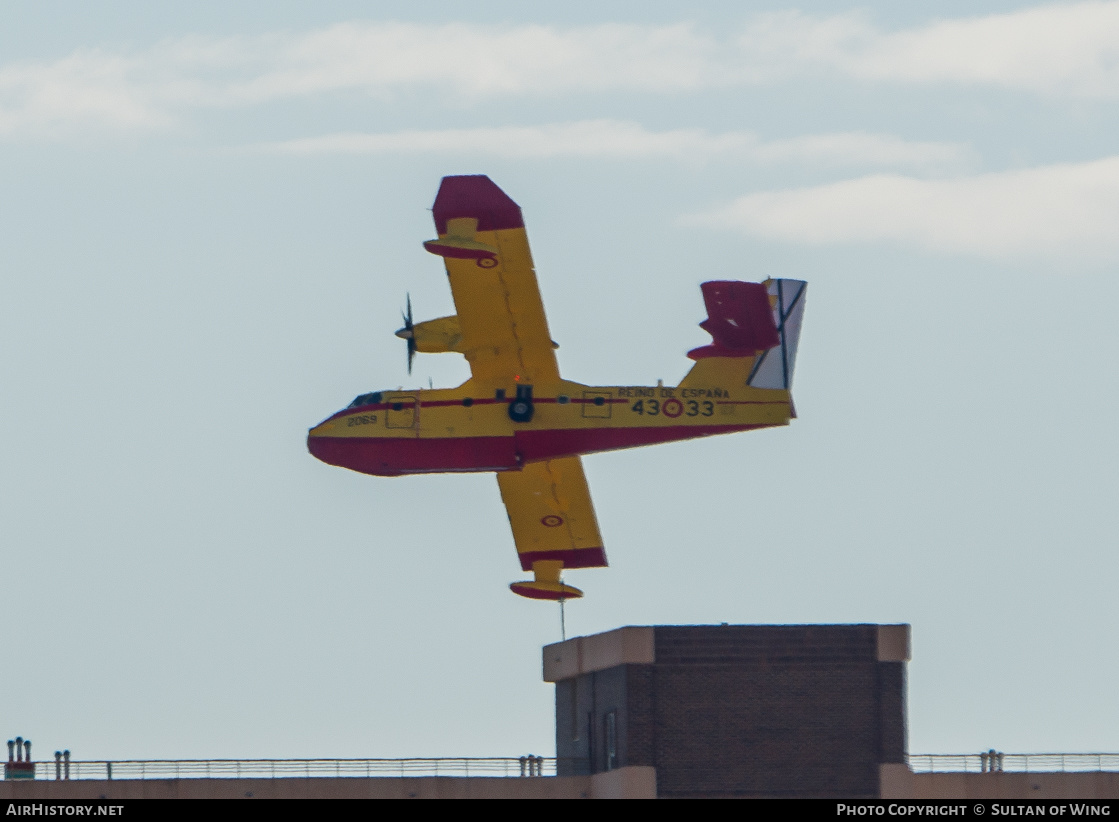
point(554, 525)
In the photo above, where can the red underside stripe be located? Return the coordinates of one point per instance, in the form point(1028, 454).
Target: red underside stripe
point(392, 457)
point(387, 456)
point(571, 558)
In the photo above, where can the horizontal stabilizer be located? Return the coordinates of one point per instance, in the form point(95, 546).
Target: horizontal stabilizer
point(739, 319)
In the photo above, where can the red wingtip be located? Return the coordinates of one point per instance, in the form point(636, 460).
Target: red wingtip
point(477, 196)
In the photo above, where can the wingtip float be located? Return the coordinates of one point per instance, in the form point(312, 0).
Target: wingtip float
point(518, 418)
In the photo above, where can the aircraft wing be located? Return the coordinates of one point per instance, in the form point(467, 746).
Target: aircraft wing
point(483, 243)
point(550, 510)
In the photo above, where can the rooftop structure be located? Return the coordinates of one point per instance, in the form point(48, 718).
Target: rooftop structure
point(659, 711)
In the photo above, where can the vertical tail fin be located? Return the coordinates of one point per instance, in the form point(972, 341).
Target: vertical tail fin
point(774, 368)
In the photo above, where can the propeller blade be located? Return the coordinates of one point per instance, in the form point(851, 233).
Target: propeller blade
point(406, 332)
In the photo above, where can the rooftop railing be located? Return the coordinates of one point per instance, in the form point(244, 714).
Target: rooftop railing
point(503, 766)
point(996, 761)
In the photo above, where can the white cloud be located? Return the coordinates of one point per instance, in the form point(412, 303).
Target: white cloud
point(615, 139)
point(85, 88)
point(481, 60)
point(456, 63)
point(1064, 48)
point(862, 149)
point(1069, 209)
point(1070, 49)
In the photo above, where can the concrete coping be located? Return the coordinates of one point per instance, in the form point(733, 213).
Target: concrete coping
point(634, 645)
point(581, 655)
point(893, 643)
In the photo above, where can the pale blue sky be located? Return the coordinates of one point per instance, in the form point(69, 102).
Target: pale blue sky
point(209, 219)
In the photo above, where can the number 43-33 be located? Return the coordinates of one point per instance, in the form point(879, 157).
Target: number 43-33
point(693, 408)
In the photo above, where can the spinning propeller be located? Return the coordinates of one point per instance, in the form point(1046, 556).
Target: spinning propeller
point(407, 334)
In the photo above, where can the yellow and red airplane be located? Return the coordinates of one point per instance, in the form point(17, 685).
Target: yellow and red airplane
point(518, 417)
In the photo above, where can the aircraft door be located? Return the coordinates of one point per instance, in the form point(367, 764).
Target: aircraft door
point(400, 412)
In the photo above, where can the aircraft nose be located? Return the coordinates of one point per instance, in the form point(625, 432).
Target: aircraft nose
point(330, 450)
point(315, 445)
point(366, 455)
point(322, 445)
point(319, 447)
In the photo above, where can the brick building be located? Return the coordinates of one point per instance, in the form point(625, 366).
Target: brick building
point(735, 710)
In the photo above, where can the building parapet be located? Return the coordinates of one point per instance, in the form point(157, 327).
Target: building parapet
point(624, 783)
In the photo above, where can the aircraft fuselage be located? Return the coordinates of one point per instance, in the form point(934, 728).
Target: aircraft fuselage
point(477, 427)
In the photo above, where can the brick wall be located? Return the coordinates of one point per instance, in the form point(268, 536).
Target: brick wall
point(744, 710)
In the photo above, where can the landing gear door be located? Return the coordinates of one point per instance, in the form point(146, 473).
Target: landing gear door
point(400, 412)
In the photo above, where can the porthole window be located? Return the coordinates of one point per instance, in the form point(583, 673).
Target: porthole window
point(467, 401)
point(563, 399)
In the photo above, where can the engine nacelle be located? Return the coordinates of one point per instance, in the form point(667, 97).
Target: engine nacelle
point(437, 336)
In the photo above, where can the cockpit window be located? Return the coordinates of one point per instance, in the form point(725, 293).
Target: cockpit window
point(366, 399)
